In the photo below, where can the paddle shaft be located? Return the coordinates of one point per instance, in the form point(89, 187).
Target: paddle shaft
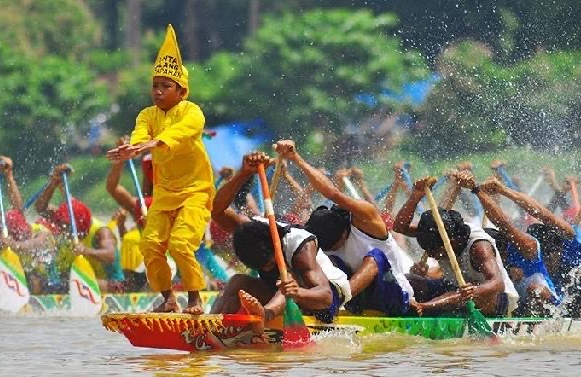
point(507, 179)
point(34, 196)
point(275, 178)
point(269, 213)
point(70, 208)
point(2, 213)
point(351, 188)
point(137, 187)
point(445, 238)
point(382, 193)
point(536, 185)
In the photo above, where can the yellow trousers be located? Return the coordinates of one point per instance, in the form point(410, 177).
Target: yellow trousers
point(180, 233)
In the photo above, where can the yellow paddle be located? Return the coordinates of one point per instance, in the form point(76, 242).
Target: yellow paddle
point(477, 324)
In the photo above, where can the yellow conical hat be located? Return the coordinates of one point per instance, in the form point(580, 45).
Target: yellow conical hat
point(169, 61)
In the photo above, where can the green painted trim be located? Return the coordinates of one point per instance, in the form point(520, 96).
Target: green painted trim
point(92, 283)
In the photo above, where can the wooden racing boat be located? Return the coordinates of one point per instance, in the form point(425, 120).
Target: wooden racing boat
point(217, 332)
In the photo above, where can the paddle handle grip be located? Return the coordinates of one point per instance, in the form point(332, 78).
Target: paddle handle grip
point(445, 238)
point(2, 213)
point(70, 208)
point(137, 187)
point(269, 213)
point(351, 188)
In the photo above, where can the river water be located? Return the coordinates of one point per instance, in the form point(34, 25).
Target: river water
point(35, 345)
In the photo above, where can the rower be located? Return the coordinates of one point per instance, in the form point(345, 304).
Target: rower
point(480, 263)
point(98, 243)
point(354, 235)
point(519, 250)
point(33, 243)
point(314, 284)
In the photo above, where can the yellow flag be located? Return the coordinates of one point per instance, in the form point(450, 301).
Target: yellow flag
point(169, 61)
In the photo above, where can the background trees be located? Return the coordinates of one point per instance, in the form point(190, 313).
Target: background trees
point(508, 72)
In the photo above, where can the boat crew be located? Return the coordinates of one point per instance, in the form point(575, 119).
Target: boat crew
point(354, 235)
point(520, 251)
point(98, 243)
point(318, 287)
point(479, 260)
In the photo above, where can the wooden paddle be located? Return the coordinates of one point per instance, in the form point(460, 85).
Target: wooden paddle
point(351, 188)
point(83, 286)
point(275, 178)
point(477, 324)
point(295, 332)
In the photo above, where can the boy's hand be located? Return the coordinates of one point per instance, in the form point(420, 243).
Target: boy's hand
point(226, 172)
point(58, 170)
point(251, 161)
point(492, 186)
point(421, 184)
point(286, 149)
point(465, 179)
point(5, 165)
point(495, 164)
point(289, 288)
point(465, 165)
point(122, 153)
point(357, 174)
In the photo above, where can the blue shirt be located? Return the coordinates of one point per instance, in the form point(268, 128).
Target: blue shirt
point(530, 266)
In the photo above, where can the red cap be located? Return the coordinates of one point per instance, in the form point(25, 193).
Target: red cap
point(81, 212)
point(570, 214)
point(18, 227)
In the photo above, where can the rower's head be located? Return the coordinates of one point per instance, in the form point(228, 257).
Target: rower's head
point(253, 245)
point(18, 227)
point(331, 226)
point(81, 213)
point(428, 236)
point(500, 241)
point(551, 241)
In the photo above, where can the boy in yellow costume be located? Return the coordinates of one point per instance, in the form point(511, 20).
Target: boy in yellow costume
point(183, 187)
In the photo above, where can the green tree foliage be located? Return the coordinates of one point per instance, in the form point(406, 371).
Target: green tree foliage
point(47, 97)
point(303, 72)
point(480, 105)
point(58, 27)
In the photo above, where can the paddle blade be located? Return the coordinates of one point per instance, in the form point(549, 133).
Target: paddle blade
point(294, 332)
point(14, 292)
point(84, 288)
point(477, 324)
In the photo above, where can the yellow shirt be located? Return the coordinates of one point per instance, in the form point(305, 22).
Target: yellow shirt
point(131, 257)
point(181, 168)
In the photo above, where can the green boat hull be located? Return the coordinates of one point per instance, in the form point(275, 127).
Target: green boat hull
point(432, 328)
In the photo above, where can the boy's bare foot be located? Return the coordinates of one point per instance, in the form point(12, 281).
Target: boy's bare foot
point(170, 305)
point(253, 307)
point(194, 304)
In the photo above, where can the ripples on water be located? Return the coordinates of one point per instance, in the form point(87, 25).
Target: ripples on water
point(69, 346)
